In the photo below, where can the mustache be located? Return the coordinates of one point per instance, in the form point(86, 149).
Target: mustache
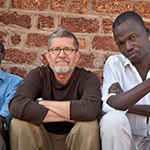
point(62, 59)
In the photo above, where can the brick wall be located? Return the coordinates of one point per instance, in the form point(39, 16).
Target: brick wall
point(25, 26)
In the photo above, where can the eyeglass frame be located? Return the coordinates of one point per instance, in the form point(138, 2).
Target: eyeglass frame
point(60, 49)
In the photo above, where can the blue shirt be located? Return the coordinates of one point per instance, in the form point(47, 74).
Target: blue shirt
point(8, 86)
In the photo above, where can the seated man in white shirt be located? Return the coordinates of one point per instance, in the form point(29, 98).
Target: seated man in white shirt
point(126, 87)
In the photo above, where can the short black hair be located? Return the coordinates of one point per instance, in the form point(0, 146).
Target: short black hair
point(1, 47)
point(127, 16)
point(63, 33)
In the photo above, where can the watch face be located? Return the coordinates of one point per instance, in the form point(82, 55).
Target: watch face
point(38, 99)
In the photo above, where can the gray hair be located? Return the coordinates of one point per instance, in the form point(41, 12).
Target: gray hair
point(63, 33)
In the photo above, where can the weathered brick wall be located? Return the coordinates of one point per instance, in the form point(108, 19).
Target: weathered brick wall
point(25, 26)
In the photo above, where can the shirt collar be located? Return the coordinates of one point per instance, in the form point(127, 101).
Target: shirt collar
point(127, 62)
point(2, 76)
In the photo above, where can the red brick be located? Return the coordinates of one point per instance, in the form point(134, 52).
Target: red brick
point(142, 8)
point(82, 44)
point(3, 36)
point(80, 25)
point(20, 57)
point(16, 39)
point(106, 56)
point(19, 72)
point(104, 43)
point(58, 4)
point(44, 60)
point(86, 61)
point(38, 40)
point(78, 6)
point(14, 18)
point(111, 6)
point(107, 25)
point(31, 4)
point(45, 22)
point(99, 74)
point(1, 3)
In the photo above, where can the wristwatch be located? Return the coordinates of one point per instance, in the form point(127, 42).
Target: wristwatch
point(39, 99)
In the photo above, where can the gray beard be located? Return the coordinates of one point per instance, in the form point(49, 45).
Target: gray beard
point(63, 70)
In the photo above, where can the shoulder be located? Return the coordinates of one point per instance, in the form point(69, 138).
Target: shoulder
point(83, 71)
point(12, 77)
point(40, 70)
point(116, 60)
point(11, 81)
point(39, 74)
point(84, 74)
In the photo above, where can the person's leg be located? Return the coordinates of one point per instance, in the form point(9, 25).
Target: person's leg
point(27, 136)
point(58, 141)
point(115, 131)
point(84, 136)
point(4, 139)
point(2, 143)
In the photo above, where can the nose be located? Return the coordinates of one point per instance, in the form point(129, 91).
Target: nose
point(62, 54)
point(129, 45)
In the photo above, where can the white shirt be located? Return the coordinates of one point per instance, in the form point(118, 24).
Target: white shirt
point(119, 69)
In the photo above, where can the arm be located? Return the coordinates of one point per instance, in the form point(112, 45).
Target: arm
point(84, 109)
point(143, 110)
point(115, 71)
point(11, 89)
point(127, 99)
point(9, 85)
point(22, 105)
point(58, 111)
point(89, 106)
point(110, 76)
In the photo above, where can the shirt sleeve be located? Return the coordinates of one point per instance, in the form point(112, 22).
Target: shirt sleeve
point(23, 105)
point(110, 77)
point(89, 106)
point(11, 91)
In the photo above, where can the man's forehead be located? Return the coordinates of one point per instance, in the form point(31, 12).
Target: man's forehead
point(61, 41)
point(127, 27)
point(128, 24)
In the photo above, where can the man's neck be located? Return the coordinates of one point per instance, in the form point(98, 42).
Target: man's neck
point(63, 78)
point(143, 67)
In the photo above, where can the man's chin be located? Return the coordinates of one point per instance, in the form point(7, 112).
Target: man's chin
point(62, 70)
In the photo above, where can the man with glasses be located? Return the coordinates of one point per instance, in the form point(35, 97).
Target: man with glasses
point(57, 106)
point(8, 86)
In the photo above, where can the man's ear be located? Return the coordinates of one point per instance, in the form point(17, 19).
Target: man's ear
point(147, 31)
point(2, 56)
point(47, 55)
point(78, 56)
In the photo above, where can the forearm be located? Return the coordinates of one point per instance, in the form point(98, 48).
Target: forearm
point(53, 117)
point(58, 111)
point(127, 99)
point(143, 110)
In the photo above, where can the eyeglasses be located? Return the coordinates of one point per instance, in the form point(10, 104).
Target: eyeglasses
point(66, 50)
